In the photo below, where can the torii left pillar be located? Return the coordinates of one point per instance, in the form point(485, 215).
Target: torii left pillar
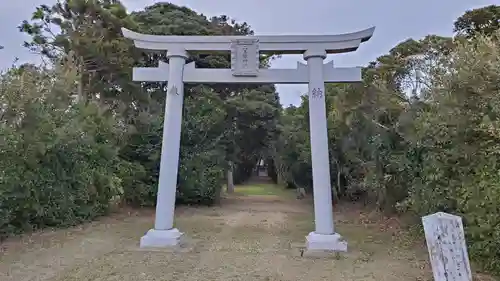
point(164, 234)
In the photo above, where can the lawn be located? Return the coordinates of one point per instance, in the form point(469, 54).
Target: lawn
point(262, 189)
point(250, 237)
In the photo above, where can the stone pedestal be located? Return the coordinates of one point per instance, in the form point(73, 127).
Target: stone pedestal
point(325, 242)
point(161, 238)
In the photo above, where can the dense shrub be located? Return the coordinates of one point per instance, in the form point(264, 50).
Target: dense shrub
point(201, 169)
point(434, 152)
point(201, 177)
point(59, 158)
point(142, 153)
point(459, 140)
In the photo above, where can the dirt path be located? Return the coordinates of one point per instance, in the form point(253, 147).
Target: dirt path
point(249, 238)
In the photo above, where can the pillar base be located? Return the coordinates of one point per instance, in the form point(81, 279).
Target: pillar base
point(155, 238)
point(325, 242)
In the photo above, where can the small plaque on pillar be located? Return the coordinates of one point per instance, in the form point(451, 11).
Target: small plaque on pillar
point(245, 57)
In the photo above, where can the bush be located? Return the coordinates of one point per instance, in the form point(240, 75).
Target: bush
point(200, 174)
point(142, 155)
point(58, 158)
point(201, 165)
point(437, 151)
point(200, 178)
point(459, 136)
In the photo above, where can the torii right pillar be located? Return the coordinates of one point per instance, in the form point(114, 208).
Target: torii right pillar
point(324, 237)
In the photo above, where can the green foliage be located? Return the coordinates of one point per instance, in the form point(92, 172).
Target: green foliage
point(221, 122)
point(201, 179)
point(59, 157)
point(89, 31)
point(83, 136)
point(292, 155)
point(142, 155)
point(201, 171)
point(80, 136)
point(419, 135)
point(459, 137)
point(484, 21)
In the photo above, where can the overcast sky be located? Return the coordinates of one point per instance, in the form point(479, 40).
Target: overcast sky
point(395, 21)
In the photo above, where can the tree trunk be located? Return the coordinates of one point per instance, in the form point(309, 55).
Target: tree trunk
point(80, 90)
point(230, 181)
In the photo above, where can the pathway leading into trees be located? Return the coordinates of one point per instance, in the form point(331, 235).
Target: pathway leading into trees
point(251, 237)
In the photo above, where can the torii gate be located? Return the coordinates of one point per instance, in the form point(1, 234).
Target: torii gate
point(245, 52)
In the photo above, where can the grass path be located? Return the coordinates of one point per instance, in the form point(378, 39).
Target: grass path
point(249, 238)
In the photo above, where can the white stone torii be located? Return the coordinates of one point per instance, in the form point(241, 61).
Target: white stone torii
point(245, 68)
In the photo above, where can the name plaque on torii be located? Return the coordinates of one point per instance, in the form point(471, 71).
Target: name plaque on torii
point(245, 57)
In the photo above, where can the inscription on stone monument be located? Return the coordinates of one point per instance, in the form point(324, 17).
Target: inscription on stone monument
point(447, 248)
point(245, 57)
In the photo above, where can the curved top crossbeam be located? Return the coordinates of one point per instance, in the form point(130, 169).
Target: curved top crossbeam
point(290, 44)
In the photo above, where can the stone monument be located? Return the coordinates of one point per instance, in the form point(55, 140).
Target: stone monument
point(447, 248)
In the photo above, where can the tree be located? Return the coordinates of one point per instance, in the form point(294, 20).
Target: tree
point(484, 20)
point(248, 123)
point(90, 32)
point(59, 158)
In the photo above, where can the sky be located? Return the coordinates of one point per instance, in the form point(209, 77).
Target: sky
point(395, 21)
